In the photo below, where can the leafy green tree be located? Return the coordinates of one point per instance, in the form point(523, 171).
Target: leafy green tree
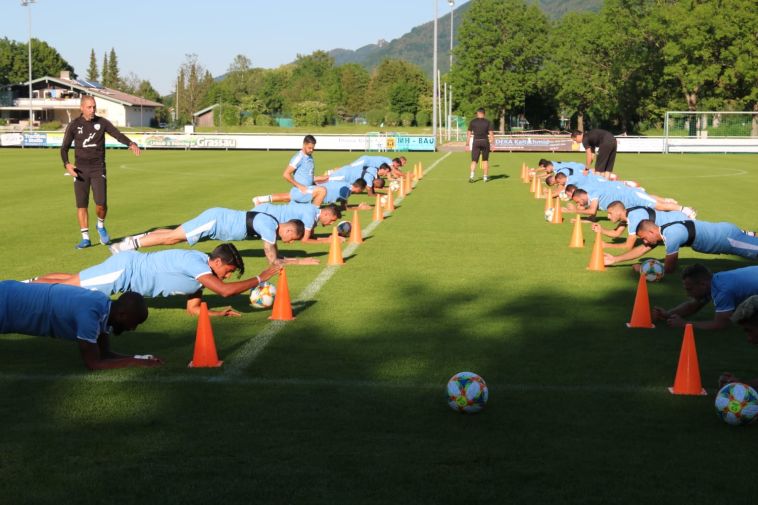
point(388, 75)
point(194, 83)
point(92, 72)
point(353, 84)
point(14, 61)
point(403, 98)
point(501, 44)
point(226, 114)
point(309, 113)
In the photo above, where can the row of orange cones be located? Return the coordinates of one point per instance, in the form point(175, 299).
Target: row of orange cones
point(205, 355)
point(687, 380)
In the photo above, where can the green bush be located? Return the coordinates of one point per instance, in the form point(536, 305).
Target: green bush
point(309, 113)
point(423, 118)
point(392, 119)
point(406, 119)
point(3, 121)
point(226, 114)
point(375, 117)
point(52, 125)
point(263, 120)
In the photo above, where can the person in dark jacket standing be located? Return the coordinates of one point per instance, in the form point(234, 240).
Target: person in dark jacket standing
point(87, 132)
point(604, 142)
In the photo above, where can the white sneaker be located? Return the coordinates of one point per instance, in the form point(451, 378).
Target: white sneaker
point(128, 244)
point(258, 200)
point(689, 212)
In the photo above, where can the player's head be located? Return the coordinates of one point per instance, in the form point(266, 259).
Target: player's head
point(696, 280)
point(480, 112)
point(292, 230)
point(88, 106)
point(545, 163)
point(577, 135)
point(649, 232)
point(746, 315)
point(400, 161)
point(224, 260)
point(580, 196)
point(128, 312)
point(383, 170)
point(329, 214)
point(561, 178)
point(309, 144)
point(378, 183)
point(569, 190)
point(616, 211)
point(550, 180)
point(359, 186)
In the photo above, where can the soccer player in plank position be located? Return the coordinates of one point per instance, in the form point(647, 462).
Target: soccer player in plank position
point(338, 192)
point(167, 273)
point(76, 314)
point(299, 173)
point(395, 164)
point(746, 315)
point(726, 289)
point(598, 197)
point(309, 214)
point(702, 236)
point(629, 219)
point(87, 132)
point(351, 173)
point(232, 225)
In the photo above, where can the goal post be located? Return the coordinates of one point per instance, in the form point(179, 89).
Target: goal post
point(709, 124)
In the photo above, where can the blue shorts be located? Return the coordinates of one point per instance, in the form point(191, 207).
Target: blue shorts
point(216, 224)
point(298, 196)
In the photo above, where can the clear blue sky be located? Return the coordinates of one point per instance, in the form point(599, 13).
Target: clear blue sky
point(151, 38)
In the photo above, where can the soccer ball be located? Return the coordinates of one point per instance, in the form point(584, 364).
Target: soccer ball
point(652, 270)
point(737, 404)
point(563, 196)
point(549, 214)
point(343, 228)
point(467, 393)
point(383, 200)
point(262, 296)
point(395, 185)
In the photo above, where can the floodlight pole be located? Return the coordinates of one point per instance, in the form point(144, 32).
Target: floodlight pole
point(434, 76)
point(28, 4)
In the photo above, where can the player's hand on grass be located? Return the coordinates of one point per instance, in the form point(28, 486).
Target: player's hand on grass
point(570, 207)
point(608, 259)
point(636, 267)
point(675, 321)
point(660, 314)
point(364, 206)
point(596, 227)
point(309, 261)
point(148, 360)
point(225, 312)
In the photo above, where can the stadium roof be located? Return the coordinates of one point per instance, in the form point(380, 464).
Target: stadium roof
point(99, 91)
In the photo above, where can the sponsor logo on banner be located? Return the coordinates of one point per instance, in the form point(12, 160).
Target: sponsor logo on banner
point(532, 143)
point(35, 139)
point(11, 139)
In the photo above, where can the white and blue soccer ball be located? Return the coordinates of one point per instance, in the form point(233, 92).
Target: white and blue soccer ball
point(467, 393)
point(395, 185)
point(262, 296)
point(563, 196)
point(652, 269)
point(549, 214)
point(737, 404)
point(344, 228)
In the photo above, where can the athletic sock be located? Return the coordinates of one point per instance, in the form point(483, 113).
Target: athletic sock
point(85, 233)
point(101, 223)
point(471, 175)
point(135, 241)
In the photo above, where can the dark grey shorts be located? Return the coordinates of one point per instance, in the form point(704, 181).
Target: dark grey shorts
point(90, 178)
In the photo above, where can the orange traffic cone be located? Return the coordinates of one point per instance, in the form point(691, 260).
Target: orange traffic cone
point(205, 346)
point(557, 213)
point(378, 210)
point(408, 183)
point(597, 262)
point(400, 188)
point(356, 235)
point(533, 181)
point(549, 200)
point(577, 237)
point(416, 171)
point(687, 381)
point(389, 206)
point(524, 173)
point(641, 317)
point(335, 251)
point(420, 170)
point(538, 193)
point(282, 309)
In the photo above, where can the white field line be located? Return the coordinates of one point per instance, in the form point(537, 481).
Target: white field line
point(189, 378)
point(248, 352)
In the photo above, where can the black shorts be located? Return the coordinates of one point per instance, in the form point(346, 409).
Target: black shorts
point(480, 146)
point(606, 157)
point(90, 178)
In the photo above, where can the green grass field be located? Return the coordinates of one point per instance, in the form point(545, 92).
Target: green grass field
point(346, 404)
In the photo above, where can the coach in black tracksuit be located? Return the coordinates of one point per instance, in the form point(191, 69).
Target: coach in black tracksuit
point(87, 132)
point(604, 142)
